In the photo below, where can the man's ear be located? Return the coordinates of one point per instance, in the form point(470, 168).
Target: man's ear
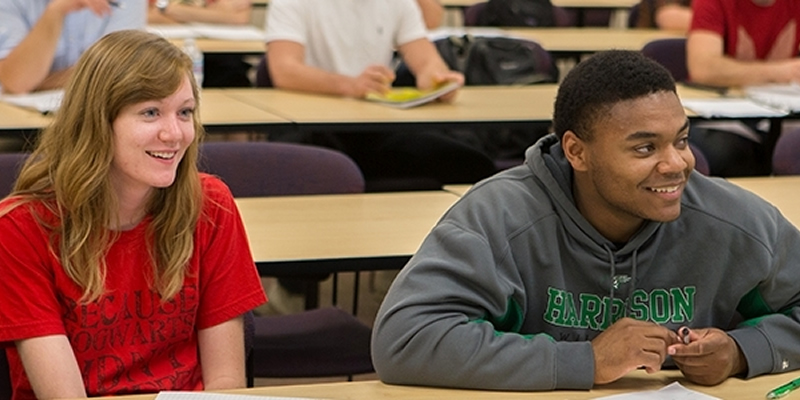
point(575, 150)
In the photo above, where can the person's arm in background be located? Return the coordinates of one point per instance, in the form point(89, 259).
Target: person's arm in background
point(27, 67)
point(237, 12)
point(432, 13)
point(288, 70)
point(708, 65)
point(674, 17)
point(51, 367)
point(222, 355)
point(428, 67)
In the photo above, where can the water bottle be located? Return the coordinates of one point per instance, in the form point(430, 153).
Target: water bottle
point(190, 47)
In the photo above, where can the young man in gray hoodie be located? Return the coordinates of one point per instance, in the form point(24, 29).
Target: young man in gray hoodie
point(591, 259)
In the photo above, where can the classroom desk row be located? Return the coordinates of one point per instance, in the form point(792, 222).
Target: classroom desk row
point(559, 41)
point(561, 3)
point(353, 232)
point(637, 381)
point(259, 109)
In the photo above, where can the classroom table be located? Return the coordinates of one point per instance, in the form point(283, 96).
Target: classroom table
point(20, 122)
point(333, 233)
point(575, 42)
point(476, 106)
point(218, 113)
point(563, 42)
point(637, 381)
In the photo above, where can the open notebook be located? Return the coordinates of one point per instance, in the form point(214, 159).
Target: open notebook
point(411, 97)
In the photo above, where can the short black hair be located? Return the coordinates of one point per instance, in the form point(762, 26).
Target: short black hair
point(593, 86)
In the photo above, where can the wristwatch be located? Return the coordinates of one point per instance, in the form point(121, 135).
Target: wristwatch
point(161, 5)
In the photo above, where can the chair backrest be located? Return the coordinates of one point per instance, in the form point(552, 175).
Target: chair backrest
point(671, 53)
point(633, 15)
point(473, 13)
point(10, 164)
point(786, 158)
point(5, 377)
point(262, 73)
point(280, 169)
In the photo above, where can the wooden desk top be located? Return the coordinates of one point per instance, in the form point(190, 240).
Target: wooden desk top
point(13, 117)
point(217, 108)
point(732, 389)
point(590, 40)
point(341, 226)
point(474, 104)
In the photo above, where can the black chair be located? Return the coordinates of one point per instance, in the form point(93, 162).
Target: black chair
point(10, 164)
point(786, 158)
point(671, 53)
point(317, 342)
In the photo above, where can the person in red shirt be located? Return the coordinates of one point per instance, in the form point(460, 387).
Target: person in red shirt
point(124, 269)
point(735, 43)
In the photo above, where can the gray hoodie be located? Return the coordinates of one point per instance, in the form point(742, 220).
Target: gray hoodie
point(512, 284)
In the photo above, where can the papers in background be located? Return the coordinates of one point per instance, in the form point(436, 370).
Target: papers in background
point(409, 97)
point(444, 32)
point(44, 102)
point(784, 97)
point(673, 391)
point(178, 395)
point(731, 108)
point(208, 31)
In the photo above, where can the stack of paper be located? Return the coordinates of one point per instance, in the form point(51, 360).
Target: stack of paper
point(208, 31)
point(784, 97)
point(727, 107)
point(45, 101)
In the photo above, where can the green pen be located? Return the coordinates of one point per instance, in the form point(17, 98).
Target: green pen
point(783, 390)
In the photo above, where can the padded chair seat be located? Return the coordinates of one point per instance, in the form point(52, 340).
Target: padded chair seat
point(300, 345)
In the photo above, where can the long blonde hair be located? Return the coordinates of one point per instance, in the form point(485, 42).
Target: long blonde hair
point(69, 169)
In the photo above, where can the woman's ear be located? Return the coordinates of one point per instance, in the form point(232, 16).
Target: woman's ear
point(575, 150)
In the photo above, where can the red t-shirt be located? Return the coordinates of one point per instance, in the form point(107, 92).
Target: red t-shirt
point(750, 31)
point(127, 341)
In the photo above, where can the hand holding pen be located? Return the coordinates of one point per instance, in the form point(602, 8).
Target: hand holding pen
point(707, 356)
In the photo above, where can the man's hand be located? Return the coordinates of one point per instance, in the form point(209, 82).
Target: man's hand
point(374, 79)
point(710, 357)
point(629, 344)
point(438, 78)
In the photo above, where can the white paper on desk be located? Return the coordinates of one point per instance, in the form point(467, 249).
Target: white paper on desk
point(45, 101)
point(784, 97)
point(181, 395)
point(673, 391)
point(228, 32)
point(177, 31)
point(444, 32)
point(731, 108)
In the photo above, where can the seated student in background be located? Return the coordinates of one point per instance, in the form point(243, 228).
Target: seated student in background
point(124, 269)
point(673, 15)
point(584, 263)
point(335, 47)
point(740, 43)
point(40, 40)
point(219, 70)
point(346, 48)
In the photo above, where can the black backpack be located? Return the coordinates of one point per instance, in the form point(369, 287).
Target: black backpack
point(517, 13)
point(497, 60)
